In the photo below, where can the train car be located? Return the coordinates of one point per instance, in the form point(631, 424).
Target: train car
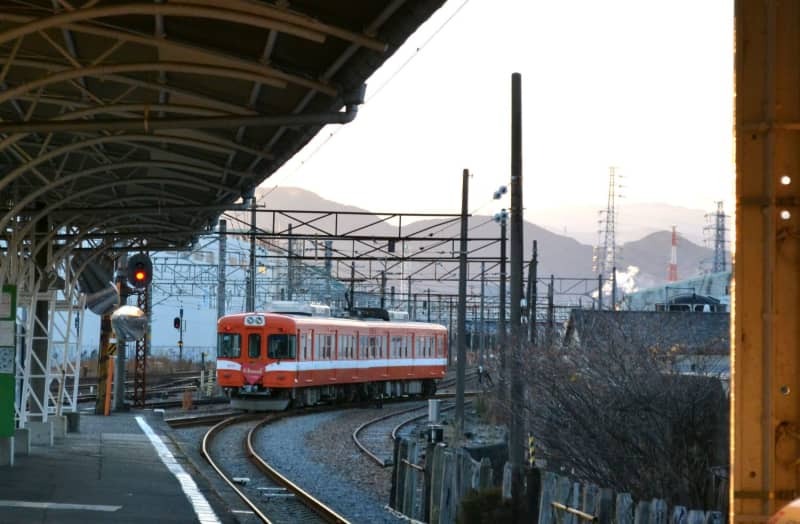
point(266, 361)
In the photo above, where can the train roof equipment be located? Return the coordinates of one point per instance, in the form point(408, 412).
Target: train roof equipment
point(291, 307)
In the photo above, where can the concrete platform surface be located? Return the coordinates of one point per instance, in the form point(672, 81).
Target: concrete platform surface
point(116, 469)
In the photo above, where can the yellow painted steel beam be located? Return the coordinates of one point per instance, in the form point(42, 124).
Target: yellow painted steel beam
point(765, 393)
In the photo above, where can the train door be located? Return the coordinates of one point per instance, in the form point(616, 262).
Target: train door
point(301, 349)
point(411, 346)
point(253, 368)
point(383, 349)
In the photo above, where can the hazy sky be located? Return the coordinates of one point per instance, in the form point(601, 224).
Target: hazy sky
point(643, 85)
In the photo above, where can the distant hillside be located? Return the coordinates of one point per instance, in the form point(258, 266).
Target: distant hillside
point(634, 221)
point(559, 255)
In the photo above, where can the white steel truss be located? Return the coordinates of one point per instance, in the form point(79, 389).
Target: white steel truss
point(60, 370)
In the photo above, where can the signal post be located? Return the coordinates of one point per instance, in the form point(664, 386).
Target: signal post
point(139, 273)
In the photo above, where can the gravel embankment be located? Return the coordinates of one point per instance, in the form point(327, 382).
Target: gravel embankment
point(318, 453)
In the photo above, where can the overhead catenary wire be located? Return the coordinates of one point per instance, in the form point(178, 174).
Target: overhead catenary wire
point(372, 94)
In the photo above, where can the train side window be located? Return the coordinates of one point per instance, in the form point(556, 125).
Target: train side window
point(363, 345)
point(253, 345)
point(229, 345)
point(304, 345)
point(281, 346)
point(345, 347)
point(324, 346)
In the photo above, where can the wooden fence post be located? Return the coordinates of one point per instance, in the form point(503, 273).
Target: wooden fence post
point(437, 472)
point(410, 477)
point(400, 473)
point(506, 481)
point(679, 515)
point(533, 492)
point(427, 480)
point(563, 489)
point(696, 517)
point(486, 474)
point(575, 502)
point(606, 510)
point(642, 515)
point(658, 512)
point(624, 512)
point(447, 509)
point(591, 499)
point(549, 486)
point(393, 491)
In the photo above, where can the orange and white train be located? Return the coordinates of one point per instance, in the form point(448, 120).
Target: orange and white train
point(269, 360)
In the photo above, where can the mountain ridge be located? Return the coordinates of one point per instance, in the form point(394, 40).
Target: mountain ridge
point(560, 255)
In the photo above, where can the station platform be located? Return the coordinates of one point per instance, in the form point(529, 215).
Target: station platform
point(121, 469)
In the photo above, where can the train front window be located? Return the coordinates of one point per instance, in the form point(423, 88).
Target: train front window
point(281, 346)
point(229, 345)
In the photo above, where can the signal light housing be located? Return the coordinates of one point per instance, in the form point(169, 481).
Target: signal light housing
point(140, 270)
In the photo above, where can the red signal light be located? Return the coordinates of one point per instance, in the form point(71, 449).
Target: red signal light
point(140, 270)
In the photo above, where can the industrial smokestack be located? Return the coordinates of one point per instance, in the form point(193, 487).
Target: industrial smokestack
point(672, 271)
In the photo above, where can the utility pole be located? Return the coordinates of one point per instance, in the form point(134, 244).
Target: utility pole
point(462, 308)
point(481, 344)
point(450, 333)
point(290, 267)
point(251, 283)
point(428, 305)
point(352, 305)
point(410, 311)
point(613, 288)
point(502, 339)
point(180, 335)
point(600, 292)
point(516, 450)
point(383, 289)
point(533, 270)
point(119, 378)
point(222, 263)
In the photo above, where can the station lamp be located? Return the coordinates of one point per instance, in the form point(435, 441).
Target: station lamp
point(140, 270)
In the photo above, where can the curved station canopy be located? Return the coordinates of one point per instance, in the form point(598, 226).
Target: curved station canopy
point(136, 123)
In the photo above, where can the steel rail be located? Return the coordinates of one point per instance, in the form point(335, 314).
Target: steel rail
point(210, 434)
point(364, 448)
point(199, 420)
point(324, 511)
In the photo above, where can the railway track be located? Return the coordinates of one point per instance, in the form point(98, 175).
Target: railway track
point(375, 438)
point(450, 381)
point(269, 495)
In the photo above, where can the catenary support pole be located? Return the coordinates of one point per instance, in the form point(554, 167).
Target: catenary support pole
point(482, 342)
point(516, 437)
point(533, 278)
point(462, 308)
point(221, 265)
point(119, 373)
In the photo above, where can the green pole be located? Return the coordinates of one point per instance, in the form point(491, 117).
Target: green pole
point(8, 349)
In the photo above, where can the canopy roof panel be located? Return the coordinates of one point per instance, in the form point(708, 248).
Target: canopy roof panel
point(140, 121)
